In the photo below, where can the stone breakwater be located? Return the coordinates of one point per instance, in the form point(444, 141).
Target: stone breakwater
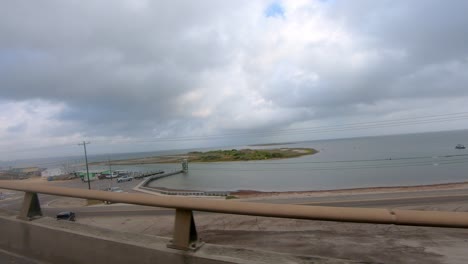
point(144, 185)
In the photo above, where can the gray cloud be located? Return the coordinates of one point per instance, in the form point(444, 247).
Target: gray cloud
point(110, 63)
point(417, 49)
point(143, 69)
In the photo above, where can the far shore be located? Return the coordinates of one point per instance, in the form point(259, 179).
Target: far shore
point(271, 144)
point(218, 156)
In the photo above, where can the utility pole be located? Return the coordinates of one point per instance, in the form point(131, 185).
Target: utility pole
point(86, 159)
point(110, 171)
point(185, 165)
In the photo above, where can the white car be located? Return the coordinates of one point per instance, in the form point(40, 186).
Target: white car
point(114, 189)
point(124, 178)
point(113, 175)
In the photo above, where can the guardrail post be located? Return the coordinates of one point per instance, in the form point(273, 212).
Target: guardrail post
point(31, 207)
point(185, 233)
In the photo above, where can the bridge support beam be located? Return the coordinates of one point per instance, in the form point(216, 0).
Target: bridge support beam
point(31, 208)
point(185, 232)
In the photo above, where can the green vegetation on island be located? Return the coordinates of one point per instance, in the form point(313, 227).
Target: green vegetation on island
point(218, 155)
point(248, 154)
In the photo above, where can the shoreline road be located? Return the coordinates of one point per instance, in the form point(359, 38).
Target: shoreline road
point(399, 202)
point(444, 203)
point(388, 198)
point(445, 200)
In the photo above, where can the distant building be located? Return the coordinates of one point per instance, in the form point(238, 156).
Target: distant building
point(53, 172)
point(93, 175)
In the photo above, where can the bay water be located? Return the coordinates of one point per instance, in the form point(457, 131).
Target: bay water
point(397, 160)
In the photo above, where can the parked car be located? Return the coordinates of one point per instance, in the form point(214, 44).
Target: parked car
point(69, 216)
point(124, 178)
point(114, 174)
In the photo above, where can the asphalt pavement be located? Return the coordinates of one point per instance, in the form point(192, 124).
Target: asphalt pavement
point(459, 197)
point(11, 258)
point(363, 196)
point(396, 202)
point(135, 210)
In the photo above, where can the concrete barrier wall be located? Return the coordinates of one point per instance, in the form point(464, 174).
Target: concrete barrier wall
point(58, 245)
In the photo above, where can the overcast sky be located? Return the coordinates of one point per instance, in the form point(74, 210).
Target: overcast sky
point(123, 73)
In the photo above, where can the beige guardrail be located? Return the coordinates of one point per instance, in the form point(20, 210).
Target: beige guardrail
point(185, 232)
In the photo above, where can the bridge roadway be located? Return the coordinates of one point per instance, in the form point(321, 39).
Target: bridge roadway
point(423, 245)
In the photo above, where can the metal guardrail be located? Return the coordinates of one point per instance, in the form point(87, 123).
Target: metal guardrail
point(185, 236)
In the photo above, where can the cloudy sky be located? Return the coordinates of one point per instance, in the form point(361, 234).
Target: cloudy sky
point(129, 75)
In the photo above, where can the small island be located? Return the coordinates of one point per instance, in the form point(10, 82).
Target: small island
point(220, 156)
point(248, 154)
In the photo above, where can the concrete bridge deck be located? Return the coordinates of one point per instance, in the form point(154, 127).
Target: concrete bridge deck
point(49, 241)
point(363, 243)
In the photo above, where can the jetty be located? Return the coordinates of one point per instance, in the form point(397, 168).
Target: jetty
point(144, 186)
point(140, 175)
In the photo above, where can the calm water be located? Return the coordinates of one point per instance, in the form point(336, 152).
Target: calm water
point(347, 163)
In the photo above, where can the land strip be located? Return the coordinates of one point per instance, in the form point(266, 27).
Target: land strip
point(219, 156)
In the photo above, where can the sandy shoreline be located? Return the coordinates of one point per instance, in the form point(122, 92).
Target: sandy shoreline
point(351, 191)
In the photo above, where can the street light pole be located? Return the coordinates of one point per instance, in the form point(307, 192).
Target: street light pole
point(86, 159)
